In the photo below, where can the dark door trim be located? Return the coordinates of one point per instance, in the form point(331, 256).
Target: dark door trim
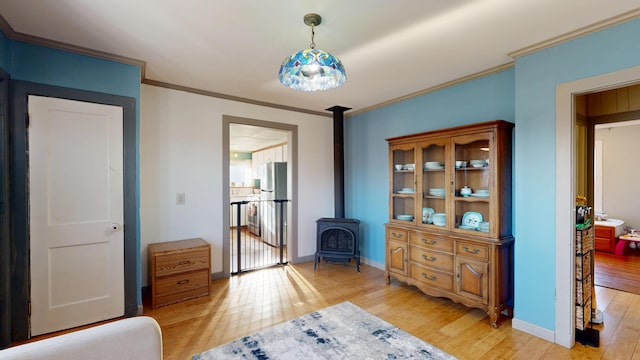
point(19, 266)
point(5, 213)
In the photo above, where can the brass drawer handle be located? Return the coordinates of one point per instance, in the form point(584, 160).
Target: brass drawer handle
point(429, 242)
point(475, 251)
point(182, 282)
point(184, 262)
point(432, 258)
point(432, 277)
point(394, 234)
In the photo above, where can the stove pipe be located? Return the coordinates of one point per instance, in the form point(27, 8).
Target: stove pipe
point(338, 158)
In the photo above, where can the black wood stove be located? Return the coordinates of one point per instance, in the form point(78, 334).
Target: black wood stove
point(338, 240)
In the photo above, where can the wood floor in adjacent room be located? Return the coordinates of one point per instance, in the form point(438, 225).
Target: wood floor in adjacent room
point(621, 272)
point(250, 302)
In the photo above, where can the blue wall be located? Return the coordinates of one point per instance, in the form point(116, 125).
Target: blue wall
point(44, 65)
point(536, 78)
point(366, 153)
point(61, 68)
point(524, 95)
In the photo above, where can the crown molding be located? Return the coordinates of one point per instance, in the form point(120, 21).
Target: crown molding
point(231, 97)
point(12, 34)
point(463, 79)
point(600, 25)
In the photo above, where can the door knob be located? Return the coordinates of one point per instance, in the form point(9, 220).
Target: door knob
point(114, 226)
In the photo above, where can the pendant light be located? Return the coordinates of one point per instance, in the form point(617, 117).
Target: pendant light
point(312, 69)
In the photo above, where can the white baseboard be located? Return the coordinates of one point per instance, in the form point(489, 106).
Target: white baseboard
point(534, 330)
point(372, 263)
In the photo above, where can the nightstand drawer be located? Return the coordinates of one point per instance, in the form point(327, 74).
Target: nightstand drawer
point(183, 261)
point(183, 282)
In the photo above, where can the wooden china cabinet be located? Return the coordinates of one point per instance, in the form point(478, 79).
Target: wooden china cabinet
point(449, 229)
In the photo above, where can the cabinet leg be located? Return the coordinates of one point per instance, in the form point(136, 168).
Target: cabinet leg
point(493, 318)
point(387, 277)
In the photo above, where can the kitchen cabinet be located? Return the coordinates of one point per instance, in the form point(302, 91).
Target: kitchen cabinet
point(274, 154)
point(449, 227)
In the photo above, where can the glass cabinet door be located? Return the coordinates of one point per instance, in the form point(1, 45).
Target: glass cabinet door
point(403, 183)
point(433, 182)
point(472, 182)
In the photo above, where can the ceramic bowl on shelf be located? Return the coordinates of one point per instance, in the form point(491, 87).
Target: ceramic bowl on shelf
point(460, 164)
point(477, 163)
point(398, 166)
point(482, 191)
point(439, 219)
point(433, 165)
point(436, 191)
point(404, 217)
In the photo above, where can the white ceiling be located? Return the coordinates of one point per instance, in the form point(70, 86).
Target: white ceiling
point(390, 49)
point(248, 138)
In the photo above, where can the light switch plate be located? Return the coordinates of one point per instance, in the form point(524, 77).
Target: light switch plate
point(180, 199)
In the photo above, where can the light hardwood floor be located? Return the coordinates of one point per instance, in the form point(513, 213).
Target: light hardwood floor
point(253, 301)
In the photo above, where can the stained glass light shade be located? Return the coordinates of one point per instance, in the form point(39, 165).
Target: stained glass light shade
point(312, 70)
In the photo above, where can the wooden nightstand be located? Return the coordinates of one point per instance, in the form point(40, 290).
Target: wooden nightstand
point(179, 270)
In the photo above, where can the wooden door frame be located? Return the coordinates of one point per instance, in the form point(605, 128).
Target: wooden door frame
point(19, 267)
point(564, 330)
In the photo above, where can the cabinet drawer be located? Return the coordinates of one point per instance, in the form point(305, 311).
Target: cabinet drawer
point(471, 250)
point(432, 259)
point(182, 261)
point(432, 277)
point(584, 241)
point(430, 241)
point(583, 290)
point(397, 234)
point(605, 231)
point(583, 265)
point(182, 282)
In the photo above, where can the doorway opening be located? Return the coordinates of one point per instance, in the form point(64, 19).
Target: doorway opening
point(565, 189)
point(260, 188)
point(606, 131)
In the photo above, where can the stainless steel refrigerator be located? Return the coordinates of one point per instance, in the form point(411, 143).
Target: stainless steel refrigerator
point(273, 179)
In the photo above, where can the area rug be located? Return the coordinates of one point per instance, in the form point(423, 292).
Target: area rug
point(342, 331)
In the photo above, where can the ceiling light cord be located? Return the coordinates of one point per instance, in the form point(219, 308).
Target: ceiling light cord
point(313, 35)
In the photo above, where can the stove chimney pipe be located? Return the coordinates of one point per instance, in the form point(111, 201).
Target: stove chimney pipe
point(338, 158)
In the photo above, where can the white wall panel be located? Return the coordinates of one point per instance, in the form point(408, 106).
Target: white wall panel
point(181, 152)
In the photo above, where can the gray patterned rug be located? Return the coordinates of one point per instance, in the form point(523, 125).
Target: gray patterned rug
point(342, 331)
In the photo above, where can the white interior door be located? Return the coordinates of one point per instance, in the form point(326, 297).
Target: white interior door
point(75, 213)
